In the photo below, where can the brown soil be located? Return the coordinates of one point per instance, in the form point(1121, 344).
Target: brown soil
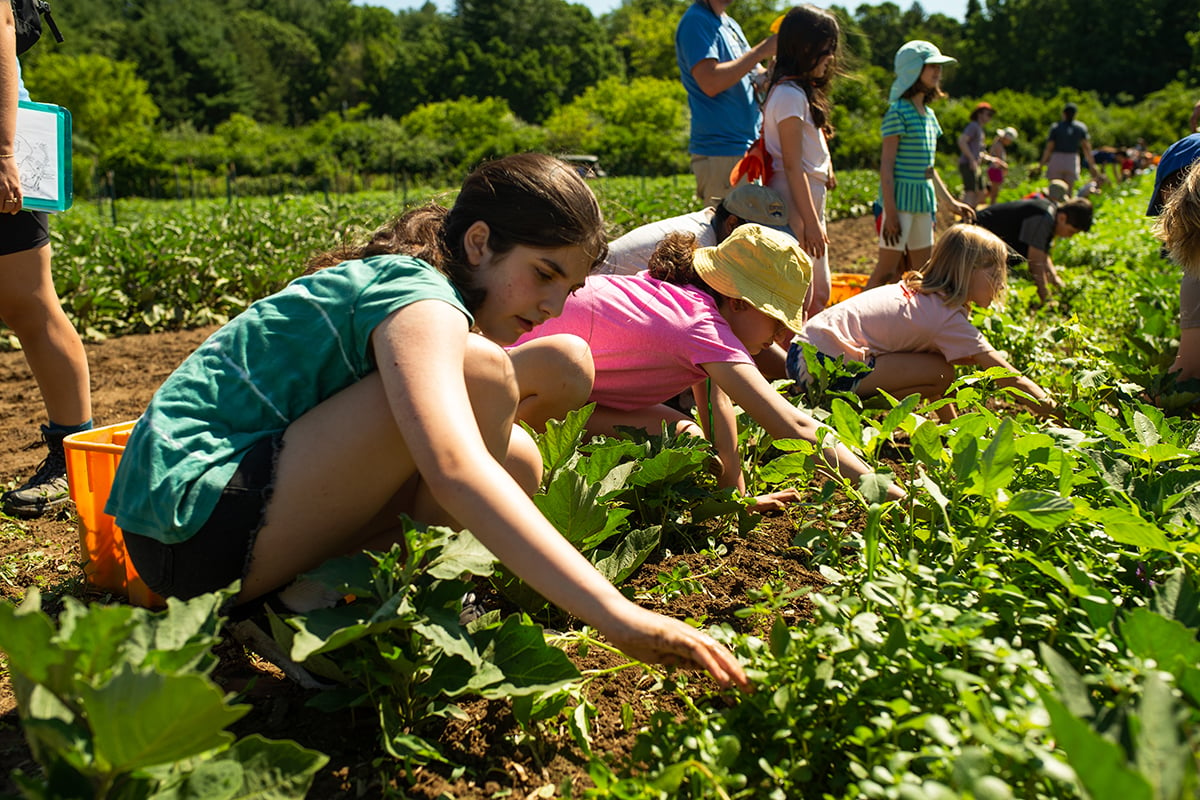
point(498, 760)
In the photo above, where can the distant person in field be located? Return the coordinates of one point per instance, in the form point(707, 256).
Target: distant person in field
point(1176, 204)
point(912, 333)
point(1066, 144)
point(376, 385)
point(1056, 192)
point(909, 186)
point(797, 124)
point(971, 157)
point(694, 320)
point(1030, 227)
point(745, 203)
point(997, 169)
point(30, 307)
point(719, 70)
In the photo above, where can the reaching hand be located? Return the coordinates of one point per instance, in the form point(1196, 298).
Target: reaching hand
point(775, 501)
point(965, 211)
point(890, 231)
point(655, 639)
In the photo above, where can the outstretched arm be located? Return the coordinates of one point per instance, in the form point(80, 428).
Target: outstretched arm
point(746, 386)
point(714, 76)
point(1041, 405)
point(421, 350)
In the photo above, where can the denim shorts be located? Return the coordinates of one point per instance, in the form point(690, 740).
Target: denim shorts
point(25, 230)
point(219, 553)
point(845, 383)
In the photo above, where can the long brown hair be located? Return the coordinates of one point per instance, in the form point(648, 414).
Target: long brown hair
point(806, 34)
point(526, 199)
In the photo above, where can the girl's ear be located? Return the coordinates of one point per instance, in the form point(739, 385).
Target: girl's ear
point(475, 242)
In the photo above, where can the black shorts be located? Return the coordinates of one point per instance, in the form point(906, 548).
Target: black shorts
point(25, 230)
point(219, 553)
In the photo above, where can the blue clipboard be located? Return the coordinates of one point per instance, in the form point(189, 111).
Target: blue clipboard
point(43, 153)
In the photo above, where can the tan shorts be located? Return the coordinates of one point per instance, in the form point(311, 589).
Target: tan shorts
point(712, 177)
point(916, 232)
point(1063, 167)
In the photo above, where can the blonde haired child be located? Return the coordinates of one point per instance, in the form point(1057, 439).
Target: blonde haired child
point(909, 186)
point(695, 319)
point(912, 333)
point(374, 386)
point(1176, 202)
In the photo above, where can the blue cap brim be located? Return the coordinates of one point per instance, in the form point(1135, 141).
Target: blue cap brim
point(1175, 158)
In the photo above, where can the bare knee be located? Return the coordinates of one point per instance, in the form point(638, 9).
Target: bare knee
point(554, 375)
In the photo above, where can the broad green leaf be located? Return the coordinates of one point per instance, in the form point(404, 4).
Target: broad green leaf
point(26, 634)
point(1169, 643)
point(558, 444)
point(1158, 751)
point(570, 503)
point(461, 553)
point(143, 718)
point(1071, 688)
point(788, 468)
point(898, 414)
point(847, 423)
point(518, 648)
point(1040, 510)
point(1099, 763)
point(1145, 430)
point(874, 487)
point(995, 465)
point(633, 549)
point(1128, 528)
point(668, 466)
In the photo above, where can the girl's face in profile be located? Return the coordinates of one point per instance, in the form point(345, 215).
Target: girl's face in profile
point(825, 59)
point(524, 287)
point(931, 76)
point(985, 285)
point(754, 329)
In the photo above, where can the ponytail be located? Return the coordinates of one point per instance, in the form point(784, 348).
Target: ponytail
point(672, 262)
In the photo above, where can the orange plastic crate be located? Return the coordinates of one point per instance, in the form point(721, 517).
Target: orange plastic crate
point(846, 285)
point(92, 458)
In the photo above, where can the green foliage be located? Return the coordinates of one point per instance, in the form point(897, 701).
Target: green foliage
point(400, 647)
point(116, 701)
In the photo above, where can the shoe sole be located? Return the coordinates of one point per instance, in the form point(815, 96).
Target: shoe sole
point(35, 510)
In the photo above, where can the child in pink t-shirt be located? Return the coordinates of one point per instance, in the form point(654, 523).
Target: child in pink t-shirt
point(698, 314)
point(912, 333)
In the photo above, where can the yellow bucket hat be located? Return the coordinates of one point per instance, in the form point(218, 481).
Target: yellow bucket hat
point(762, 266)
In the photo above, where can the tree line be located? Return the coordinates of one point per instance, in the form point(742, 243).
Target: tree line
point(320, 87)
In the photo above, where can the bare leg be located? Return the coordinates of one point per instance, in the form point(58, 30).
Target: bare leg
point(52, 347)
point(902, 374)
point(344, 462)
point(886, 268)
point(917, 259)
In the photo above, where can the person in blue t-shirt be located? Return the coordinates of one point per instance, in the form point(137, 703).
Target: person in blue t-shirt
point(30, 306)
point(719, 70)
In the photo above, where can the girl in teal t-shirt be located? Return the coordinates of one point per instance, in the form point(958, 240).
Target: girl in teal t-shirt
point(377, 385)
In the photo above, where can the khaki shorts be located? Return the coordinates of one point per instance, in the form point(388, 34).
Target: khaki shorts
point(916, 232)
point(712, 177)
point(1063, 167)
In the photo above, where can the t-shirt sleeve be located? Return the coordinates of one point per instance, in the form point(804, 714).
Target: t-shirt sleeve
point(396, 286)
point(697, 41)
point(789, 101)
point(958, 338)
point(893, 121)
point(1038, 231)
point(711, 340)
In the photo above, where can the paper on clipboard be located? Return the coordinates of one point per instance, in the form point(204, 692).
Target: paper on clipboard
point(43, 153)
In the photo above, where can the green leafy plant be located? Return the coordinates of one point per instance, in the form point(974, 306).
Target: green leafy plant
point(400, 647)
point(116, 702)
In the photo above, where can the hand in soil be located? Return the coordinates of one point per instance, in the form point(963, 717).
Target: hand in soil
point(655, 639)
